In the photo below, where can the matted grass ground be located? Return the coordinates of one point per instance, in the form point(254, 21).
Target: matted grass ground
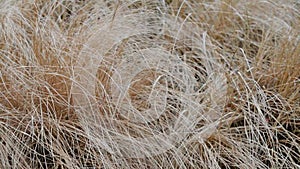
point(150, 84)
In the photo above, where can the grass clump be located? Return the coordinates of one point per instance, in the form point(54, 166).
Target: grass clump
point(150, 84)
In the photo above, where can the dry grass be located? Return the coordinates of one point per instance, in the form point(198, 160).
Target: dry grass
point(150, 84)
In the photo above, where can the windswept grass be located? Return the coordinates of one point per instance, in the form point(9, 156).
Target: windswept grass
point(150, 84)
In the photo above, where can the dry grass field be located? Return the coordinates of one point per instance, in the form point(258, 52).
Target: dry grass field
point(209, 84)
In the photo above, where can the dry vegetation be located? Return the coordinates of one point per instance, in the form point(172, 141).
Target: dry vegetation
point(150, 84)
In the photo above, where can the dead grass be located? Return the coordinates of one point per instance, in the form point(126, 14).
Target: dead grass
point(150, 84)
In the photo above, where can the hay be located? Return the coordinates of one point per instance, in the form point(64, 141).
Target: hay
point(149, 84)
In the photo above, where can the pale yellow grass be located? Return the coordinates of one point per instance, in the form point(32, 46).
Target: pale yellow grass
point(150, 84)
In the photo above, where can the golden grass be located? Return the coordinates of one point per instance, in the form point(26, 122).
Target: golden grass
point(150, 84)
